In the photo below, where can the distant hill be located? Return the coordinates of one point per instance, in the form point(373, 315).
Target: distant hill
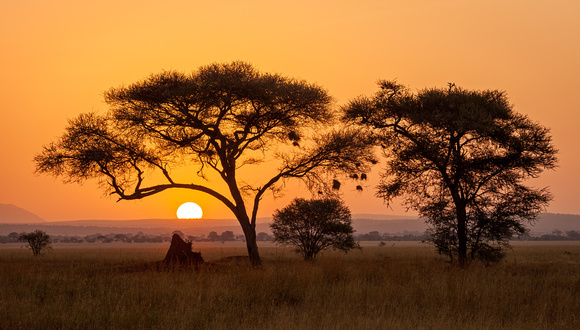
point(548, 222)
point(362, 223)
point(13, 214)
point(367, 216)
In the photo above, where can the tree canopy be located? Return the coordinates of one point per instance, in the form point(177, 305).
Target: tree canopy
point(219, 118)
point(460, 158)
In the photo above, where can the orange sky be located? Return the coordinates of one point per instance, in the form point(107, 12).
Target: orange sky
point(57, 57)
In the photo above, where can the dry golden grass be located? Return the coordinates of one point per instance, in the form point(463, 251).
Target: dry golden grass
point(391, 287)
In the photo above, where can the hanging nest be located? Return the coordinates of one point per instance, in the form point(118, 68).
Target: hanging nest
point(354, 176)
point(359, 188)
point(335, 184)
point(363, 176)
point(293, 136)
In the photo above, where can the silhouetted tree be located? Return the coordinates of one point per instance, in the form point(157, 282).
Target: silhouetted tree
point(573, 235)
point(219, 119)
point(13, 237)
point(314, 225)
point(459, 158)
point(228, 236)
point(122, 237)
point(213, 236)
point(262, 236)
point(37, 241)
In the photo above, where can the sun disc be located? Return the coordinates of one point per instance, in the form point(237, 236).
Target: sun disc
point(189, 210)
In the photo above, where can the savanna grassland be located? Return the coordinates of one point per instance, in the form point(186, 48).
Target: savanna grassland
point(405, 286)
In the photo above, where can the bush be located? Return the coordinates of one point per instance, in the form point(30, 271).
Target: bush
point(37, 241)
point(314, 225)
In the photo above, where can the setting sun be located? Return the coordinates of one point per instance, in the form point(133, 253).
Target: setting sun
point(189, 211)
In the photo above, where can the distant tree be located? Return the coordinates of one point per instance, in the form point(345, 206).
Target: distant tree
point(213, 236)
point(37, 241)
point(262, 236)
point(375, 235)
point(13, 237)
point(573, 235)
point(218, 120)
point(459, 158)
point(122, 238)
point(139, 238)
point(314, 225)
point(228, 236)
point(371, 236)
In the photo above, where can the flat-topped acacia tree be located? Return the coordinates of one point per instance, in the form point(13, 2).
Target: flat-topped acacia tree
point(219, 118)
point(460, 158)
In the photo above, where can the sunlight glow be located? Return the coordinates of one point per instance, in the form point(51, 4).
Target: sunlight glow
point(189, 211)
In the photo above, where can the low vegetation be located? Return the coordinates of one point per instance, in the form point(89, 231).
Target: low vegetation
point(402, 286)
point(37, 241)
point(311, 226)
point(226, 236)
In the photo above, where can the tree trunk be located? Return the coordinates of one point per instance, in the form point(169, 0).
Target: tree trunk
point(252, 246)
point(242, 216)
point(462, 234)
point(251, 243)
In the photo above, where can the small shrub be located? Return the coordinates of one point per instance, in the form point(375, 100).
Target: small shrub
point(37, 241)
point(314, 225)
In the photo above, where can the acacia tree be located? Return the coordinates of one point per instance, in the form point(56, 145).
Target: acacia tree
point(460, 159)
point(36, 241)
point(314, 225)
point(217, 119)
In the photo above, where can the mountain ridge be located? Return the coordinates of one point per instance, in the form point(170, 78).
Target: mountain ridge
point(10, 213)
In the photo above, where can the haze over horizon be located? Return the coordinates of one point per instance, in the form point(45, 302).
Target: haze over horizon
point(59, 57)
point(10, 213)
point(362, 223)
